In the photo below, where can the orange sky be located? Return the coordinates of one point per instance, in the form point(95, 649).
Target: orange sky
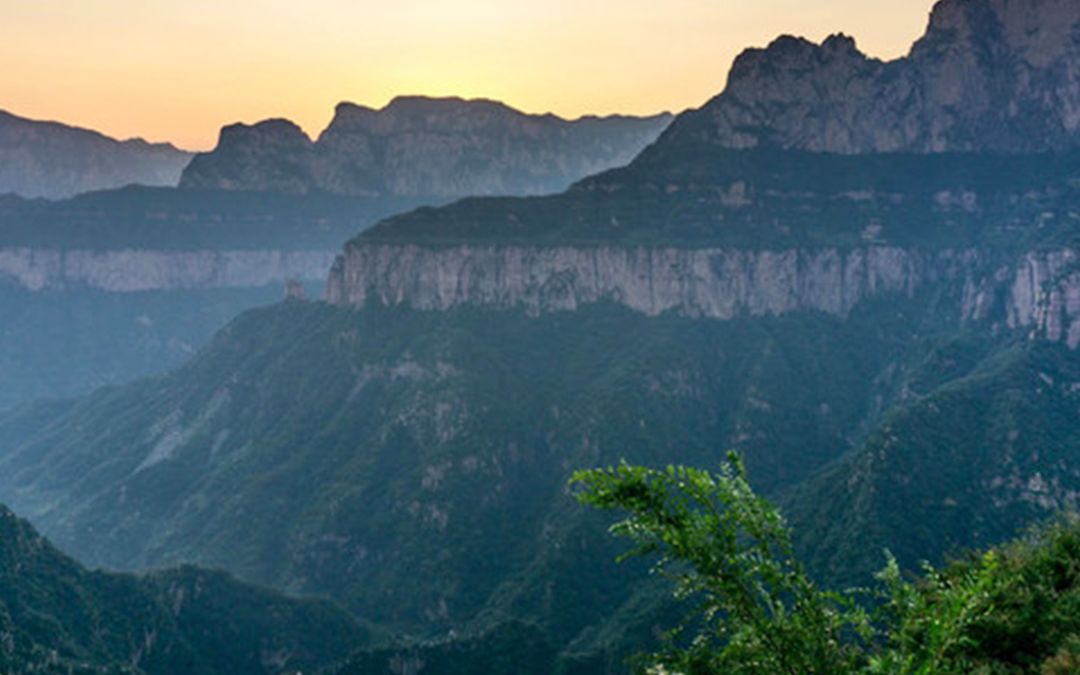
point(178, 71)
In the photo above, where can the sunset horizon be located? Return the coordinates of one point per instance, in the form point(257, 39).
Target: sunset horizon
point(191, 76)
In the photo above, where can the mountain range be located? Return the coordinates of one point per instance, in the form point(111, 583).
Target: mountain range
point(879, 309)
point(420, 146)
point(57, 161)
point(111, 285)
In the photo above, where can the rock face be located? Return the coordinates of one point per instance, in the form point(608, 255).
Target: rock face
point(55, 161)
point(419, 146)
point(1040, 291)
point(127, 271)
point(989, 75)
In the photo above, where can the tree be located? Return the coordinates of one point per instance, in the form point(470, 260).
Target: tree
point(1013, 609)
point(756, 610)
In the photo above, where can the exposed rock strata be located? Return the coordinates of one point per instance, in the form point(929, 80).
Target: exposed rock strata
point(124, 271)
point(1040, 291)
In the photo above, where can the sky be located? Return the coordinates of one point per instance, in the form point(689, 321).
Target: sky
point(178, 71)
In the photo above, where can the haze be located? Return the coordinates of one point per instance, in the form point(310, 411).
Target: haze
point(179, 71)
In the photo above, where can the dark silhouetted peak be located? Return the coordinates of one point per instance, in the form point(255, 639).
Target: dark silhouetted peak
point(272, 130)
point(274, 155)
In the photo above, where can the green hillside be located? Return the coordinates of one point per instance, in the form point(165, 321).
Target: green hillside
point(412, 465)
point(57, 617)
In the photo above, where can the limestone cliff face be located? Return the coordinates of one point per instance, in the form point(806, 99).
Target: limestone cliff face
point(1044, 294)
point(1040, 291)
point(419, 146)
point(1000, 75)
point(123, 271)
point(55, 161)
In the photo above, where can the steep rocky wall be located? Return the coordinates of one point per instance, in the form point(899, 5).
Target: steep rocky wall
point(1044, 294)
point(1040, 291)
point(147, 270)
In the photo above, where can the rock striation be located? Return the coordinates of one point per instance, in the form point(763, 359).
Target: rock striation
point(988, 75)
point(418, 146)
point(126, 271)
point(56, 161)
point(1039, 292)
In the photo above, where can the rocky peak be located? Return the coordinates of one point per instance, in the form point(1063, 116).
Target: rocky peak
point(420, 114)
point(1039, 32)
point(275, 154)
point(276, 131)
point(988, 75)
point(350, 117)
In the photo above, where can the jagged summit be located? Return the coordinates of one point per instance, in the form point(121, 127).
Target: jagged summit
point(988, 75)
point(417, 145)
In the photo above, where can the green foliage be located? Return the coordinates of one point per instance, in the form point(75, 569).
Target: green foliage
point(57, 617)
point(322, 447)
point(729, 550)
point(1014, 609)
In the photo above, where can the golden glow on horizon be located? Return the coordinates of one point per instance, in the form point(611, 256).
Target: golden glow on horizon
point(179, 71)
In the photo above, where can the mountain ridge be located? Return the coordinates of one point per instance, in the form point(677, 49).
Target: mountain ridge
point(418, 145)
point(56, 616)
point(988, 75)
point(55, 160)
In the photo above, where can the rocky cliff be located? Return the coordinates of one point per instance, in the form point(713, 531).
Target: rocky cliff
point(997, 75)
point(1039, 291)
point(418, 146)
point(125, 271)
point(55, 161)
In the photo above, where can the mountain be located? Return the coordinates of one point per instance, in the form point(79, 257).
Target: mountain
point(889, 338)
point(413, 464)
point(984, 443)
point(988, 76)
point(113, 285)
point(418, 146)
point(56, 161)
point(57, 617)
point(110, 286)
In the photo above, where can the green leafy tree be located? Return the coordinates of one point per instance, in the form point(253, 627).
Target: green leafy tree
point(1013, 609)
point(756, 609)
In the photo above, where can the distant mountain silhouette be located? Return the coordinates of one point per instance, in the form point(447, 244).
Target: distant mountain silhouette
point(443, 147)
point(56, 161)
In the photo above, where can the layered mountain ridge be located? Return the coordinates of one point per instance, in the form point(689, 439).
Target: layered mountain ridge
point(419, 146)
point(56, 161)
point(884, 325)
point(113, 285)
